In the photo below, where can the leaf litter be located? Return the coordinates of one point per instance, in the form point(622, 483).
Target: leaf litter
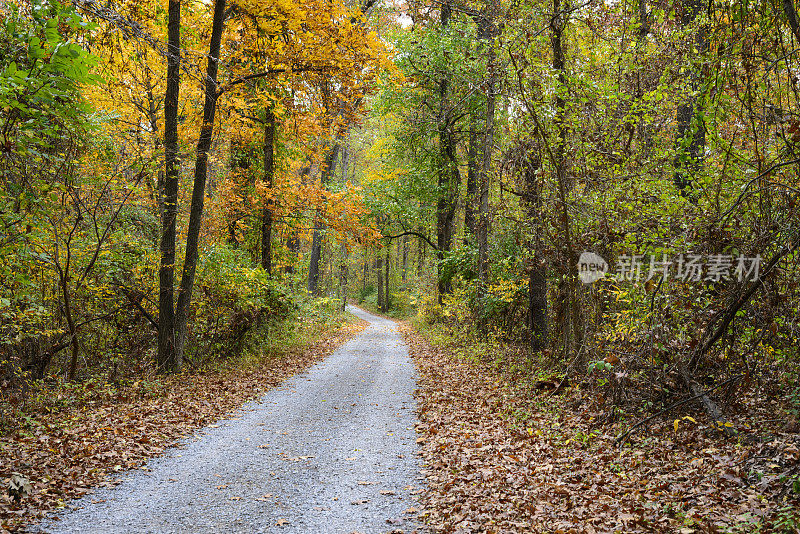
point(497, 462)
point(92, 444)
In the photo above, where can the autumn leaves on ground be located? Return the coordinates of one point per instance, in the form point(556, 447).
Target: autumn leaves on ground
point(499, 455)
point(96, 435)
point(502, 457)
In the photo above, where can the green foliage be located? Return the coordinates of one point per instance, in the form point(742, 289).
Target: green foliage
point(793, 398)
point(364, 292)
point(46, 123)
point(41, 71)
point(460, 262)
point(494, 306)
point(788, 517)
point(598, 366)
point(232, 301)
point(222, 271)
point(401, 304)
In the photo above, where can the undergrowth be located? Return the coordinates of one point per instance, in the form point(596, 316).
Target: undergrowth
point(307, 322)
point(69, 437)
point(759, 471)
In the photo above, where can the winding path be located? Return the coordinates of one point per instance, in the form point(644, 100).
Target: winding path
point(332, 450)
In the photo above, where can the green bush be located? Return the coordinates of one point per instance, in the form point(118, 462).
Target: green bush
point(366, 292)
point(230, 302)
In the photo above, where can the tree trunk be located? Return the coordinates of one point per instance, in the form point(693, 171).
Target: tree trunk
point(316, 254)
point(166, 274)
point(487, 145)
point(314, 274)
point(379, 272)
point(449, 176)
point(343, 274)
point(691, 129)
point(343, 266)
point(366, 273)
point(386, 294)
point(73, 332)
point(405, 258)
point(293, 246)
point(573, 329)
point(239, 161)
point(420, 252)
point(345, 160)
point(269, 171)
point(557, 26)
point(343, 283)
point(645, 130)
point(537, 275)
point(791, 15)
point(472, 181)
point(199, 186)
point(232, 239)
point(537, 306)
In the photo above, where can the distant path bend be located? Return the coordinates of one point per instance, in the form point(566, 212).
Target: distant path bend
point(332, 450)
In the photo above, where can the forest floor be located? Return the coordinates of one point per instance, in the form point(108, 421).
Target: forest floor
point(499, 459)
point(69, 449)
point(498, 455)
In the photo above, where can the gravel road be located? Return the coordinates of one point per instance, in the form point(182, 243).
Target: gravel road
point(332, 450)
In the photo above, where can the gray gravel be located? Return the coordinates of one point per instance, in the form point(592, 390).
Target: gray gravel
point(331, 450)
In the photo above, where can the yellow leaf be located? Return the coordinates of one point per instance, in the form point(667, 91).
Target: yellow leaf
point(676, 424)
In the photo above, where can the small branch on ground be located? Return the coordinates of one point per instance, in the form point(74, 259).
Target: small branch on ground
point(621, 440)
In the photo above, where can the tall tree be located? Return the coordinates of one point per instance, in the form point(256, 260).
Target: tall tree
point(472, 180)
point(269, 172)
point(343, 274)
point(199, 185)
point(449, 175)
point(488, 32)
point(555, 146)
point(405, 259)
point(537, 273)
point(167, 359)
point(379, 273)
point(328, 170)
point(386, 297)
point(691, 125)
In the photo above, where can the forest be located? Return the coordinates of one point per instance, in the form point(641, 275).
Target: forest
point(584, 214)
